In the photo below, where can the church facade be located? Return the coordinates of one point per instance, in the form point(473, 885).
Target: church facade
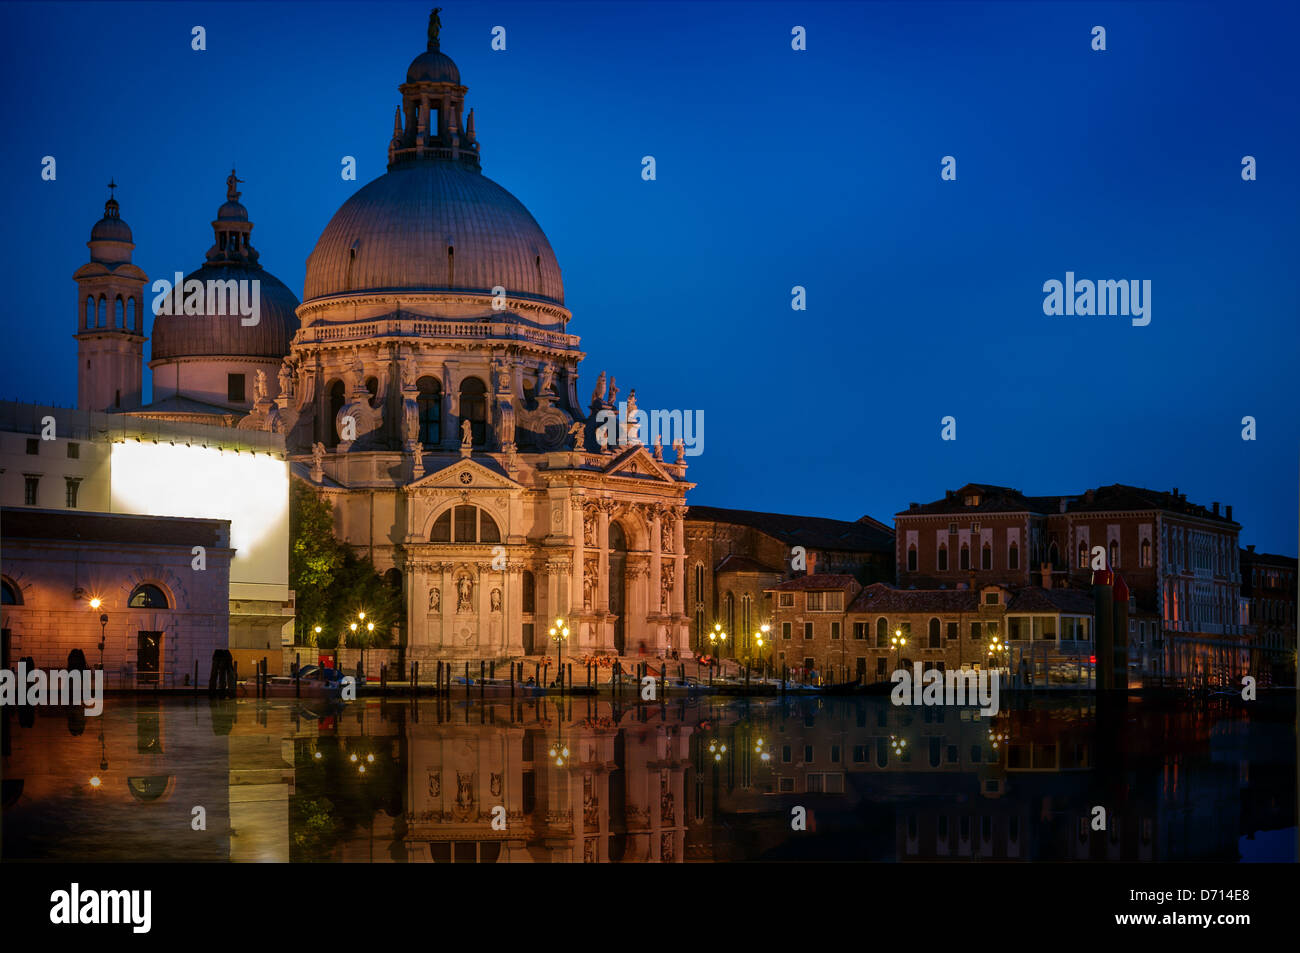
point(428, 387)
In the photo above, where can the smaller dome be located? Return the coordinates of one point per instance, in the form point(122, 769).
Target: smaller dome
point(433, 66)
point(110, 228)
point(232, 212)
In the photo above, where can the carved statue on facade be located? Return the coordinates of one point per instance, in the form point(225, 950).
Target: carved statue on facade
point(613, 391)
point(259, 386)
point(579, 433)
point(232, 192)
point(464, 593)
point(546, 379)
point(666, 588)
point(633, 424)
point(285, 376)
point(435, 599)
point(598, 395)
point(466, 435)
point(317, 462)
point(666, 535)
point(659, 446)
point(496, 600)
point(589, 528)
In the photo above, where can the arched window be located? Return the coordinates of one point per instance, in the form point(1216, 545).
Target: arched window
point(1013, 556)
point(1114, 554)
point(9, 594)
point(119, 313)
point(372, 386)
point(465, 524)
point(882, 633)
point(473, 407)
point(744, 615)
point(430, 404)
point(1146, 552)
point(90, 311)
point(943, 557)
point(530, 592)
point(335, 393)
point(965, 556)
point(934, 634)
point(986, 556)
point(1083, 554)
point(730, 615)
point(1054, 555)
point(130, 314)
point(911, 557)
point(101, 318)
point(147, 596)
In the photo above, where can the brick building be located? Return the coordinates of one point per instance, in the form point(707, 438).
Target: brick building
point(1179, 560)
point(157, 614)
point(830, 625)
point(735, 557)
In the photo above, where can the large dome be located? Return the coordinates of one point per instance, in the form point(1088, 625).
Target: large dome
point(433, 226)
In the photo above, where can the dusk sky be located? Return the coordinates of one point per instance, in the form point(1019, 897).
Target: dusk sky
point(775, 168)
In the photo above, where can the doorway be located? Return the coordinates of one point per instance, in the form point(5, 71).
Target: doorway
point(148, 656)
point(618, 584)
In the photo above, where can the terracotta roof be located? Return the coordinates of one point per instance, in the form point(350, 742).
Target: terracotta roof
point(813, 532)
point(817, 581)
point(38, 524)
point(879, 597)
point(734, 563)
point(1120, 496)
point(1034, 599)
point(993, 499)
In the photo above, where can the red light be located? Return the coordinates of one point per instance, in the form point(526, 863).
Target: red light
point(1092, 660)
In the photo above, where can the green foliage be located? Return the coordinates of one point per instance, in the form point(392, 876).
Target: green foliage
point(332, 582)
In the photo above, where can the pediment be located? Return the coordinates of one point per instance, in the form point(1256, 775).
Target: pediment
point(465, 475)
point(638, 463)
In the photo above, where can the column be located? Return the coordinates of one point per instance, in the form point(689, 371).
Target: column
point(604, 507)
point(679, 547)
point(656, 547)
point(448, 607)
point(579, 549)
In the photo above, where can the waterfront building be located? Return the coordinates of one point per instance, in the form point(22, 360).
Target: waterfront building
point(735, 557)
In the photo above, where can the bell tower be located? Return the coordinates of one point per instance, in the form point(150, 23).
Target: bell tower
point(110, 318)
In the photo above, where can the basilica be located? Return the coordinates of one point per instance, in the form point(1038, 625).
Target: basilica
point(427, 385)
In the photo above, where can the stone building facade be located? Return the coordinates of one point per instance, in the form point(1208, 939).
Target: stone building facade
point(1268, 589)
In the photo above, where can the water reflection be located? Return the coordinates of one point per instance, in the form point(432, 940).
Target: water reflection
point(583, 780)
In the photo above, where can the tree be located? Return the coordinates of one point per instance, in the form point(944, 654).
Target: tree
point(332, 582)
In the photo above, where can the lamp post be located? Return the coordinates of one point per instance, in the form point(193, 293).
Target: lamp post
point(559, 632)
point(95, 603)
point(898, 642)
point(998, 648)
point(717, 640)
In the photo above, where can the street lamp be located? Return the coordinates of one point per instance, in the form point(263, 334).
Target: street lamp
point(717, 638)
point(898, 641)
point(559, 632)
point(997, 648)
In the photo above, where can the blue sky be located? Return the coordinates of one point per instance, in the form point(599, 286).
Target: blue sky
point(775, 168)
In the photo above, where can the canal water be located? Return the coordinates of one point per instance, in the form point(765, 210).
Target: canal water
point(468, 780)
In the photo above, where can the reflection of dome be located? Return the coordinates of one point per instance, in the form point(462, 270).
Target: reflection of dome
point(433, 66)
point(216, 335)
point(433, 226)
point(150, 788)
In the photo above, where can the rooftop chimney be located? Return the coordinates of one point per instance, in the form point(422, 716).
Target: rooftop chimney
point(1251, 547)
point(1216, 507)
point(1229, 513)
point(1175, 493)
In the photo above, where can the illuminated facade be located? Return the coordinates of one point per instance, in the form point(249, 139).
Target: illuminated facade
point(97, 463)
point(432, 395)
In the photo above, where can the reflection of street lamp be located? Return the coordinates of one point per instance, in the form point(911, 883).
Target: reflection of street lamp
point(718, 749)
point(898, 744)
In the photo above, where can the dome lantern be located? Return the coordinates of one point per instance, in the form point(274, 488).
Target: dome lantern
point(433, 106)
